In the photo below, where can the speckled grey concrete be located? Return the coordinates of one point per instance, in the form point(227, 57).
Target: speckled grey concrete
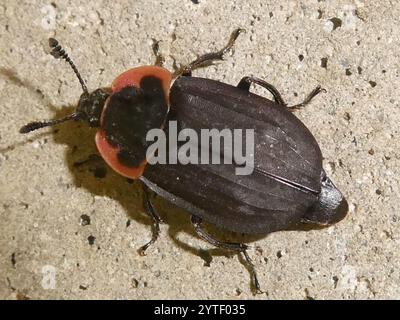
point(47, 247)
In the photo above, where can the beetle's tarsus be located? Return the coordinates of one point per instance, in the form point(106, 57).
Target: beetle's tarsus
point(235, 246)
point(254, 277)
point(308, 99)
point(209, 58)
point(156, 220)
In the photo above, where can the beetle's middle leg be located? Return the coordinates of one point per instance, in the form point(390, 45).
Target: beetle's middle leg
point(208, 58)
point(308, 99)
point(235, 246)
point(245, 83)
point(156, 220)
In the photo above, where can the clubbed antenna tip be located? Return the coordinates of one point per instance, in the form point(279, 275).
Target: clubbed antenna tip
point(59, 53)
point(32, 126)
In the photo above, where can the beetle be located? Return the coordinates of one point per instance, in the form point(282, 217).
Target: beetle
point(287, 187)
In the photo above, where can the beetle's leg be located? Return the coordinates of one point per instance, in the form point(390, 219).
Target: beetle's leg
point(308, 99)
point(245, 83)
point(159, 57)
point(208, 58)
point(156, 220)
point(235, 246)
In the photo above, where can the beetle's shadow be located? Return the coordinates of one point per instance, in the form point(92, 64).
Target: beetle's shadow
point(92, 173)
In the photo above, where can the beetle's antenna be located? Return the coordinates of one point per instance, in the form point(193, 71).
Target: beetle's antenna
point(59, 53)
point(47, 123)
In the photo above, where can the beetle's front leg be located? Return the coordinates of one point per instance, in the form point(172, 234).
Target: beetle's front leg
point(235, 246)
point(208, 58)
point(156, 50)
point(156, 220)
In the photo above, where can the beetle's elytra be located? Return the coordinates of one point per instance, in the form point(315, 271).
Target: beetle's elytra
point(287, 186)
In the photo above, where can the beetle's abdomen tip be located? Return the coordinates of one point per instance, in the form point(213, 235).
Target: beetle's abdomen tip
point(342, 210)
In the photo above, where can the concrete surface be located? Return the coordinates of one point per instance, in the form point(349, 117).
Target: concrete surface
point(49, 249)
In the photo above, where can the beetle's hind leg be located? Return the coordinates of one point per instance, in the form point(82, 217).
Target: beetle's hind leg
point(234, 246)
point(308, 99)
point(156, 220)
point(208, 58)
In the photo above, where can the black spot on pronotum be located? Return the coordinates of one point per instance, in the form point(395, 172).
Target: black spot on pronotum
point(337, 23)
point(136, 111)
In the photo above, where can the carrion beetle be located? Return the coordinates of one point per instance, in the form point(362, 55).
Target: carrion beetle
point(287, 186)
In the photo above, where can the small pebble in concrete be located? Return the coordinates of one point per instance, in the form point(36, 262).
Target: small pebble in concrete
point(91, 239)
point(135, 283)
point(324, 63)
point(13, 261)
point(85, 220)
point(337, 23)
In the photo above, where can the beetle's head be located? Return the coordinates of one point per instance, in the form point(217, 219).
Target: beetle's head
point(331, 206)
point(90, 105)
